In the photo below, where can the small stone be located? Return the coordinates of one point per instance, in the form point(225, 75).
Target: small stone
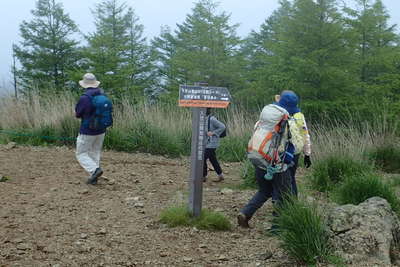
point(226, 191)
point(84, 236)
point(265, 256)
point(222, 258)
point(236, 236)
point(11, 145)
point(102, 231)
point(22, 246)
point(54, 189)
point(84, 191)
point(163, 254)
point(187, 259)
point(17, 241)
point(111, 182)
point(170, 181)
point(138, 205)
point(136, 181)
point(202, 246)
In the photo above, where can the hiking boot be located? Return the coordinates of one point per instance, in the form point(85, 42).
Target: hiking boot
point(243, 221)
point(96, 174)
point(219, 179)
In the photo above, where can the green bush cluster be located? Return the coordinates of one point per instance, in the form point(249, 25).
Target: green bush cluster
point(334, 169)
point(357, 189)
point(303, 232)
point(351, 181)
point(208, 220)
point(386, 157)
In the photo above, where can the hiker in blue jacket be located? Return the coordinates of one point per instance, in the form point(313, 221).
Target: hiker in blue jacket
point(214, 129)
point(90, 141)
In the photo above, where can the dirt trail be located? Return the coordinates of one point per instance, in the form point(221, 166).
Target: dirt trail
point(50, 217)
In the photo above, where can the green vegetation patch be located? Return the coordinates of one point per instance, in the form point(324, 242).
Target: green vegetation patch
point(334, 169)
point(357, 189)
point(303, 232)
point(208, 220)
point(386, 157)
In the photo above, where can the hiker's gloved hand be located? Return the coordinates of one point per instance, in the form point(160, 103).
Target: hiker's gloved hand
point(307, 161)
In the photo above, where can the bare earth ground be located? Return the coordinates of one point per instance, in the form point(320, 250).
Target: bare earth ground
point(50, 217)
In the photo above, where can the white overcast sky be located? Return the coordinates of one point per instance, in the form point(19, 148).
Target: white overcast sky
point(153, 14)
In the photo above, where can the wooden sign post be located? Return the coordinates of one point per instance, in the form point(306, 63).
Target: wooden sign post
point(199, 98)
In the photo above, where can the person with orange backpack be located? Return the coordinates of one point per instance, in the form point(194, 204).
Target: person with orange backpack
point(271, 151)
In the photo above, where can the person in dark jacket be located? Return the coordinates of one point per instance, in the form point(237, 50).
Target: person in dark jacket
point(90, 141)
point(214, 130)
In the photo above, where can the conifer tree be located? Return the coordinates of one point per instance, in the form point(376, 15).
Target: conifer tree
point(47, 50)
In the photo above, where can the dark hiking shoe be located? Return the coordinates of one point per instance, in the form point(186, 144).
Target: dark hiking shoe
point(219, 179)
point(243, 221)
point(93, 179)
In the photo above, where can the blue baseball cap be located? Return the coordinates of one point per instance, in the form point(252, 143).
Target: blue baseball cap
point(289, 101)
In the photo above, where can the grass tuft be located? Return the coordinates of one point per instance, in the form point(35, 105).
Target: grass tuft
point(357, 189)
point(334, 169)
point(208, 220)
point(386, 157)
point(303, 232)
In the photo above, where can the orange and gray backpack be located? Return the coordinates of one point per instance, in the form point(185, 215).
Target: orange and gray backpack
point(269, 147)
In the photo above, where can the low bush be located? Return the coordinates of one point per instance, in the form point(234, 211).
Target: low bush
point(334, 169)
point(386, 157)
point(233, 148)
point(303, 232)
point(208, 220)
point(358, 188)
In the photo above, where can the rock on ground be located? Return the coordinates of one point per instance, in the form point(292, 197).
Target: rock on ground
point(365, 234)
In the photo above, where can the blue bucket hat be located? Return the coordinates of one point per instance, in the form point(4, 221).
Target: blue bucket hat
point(289, 101)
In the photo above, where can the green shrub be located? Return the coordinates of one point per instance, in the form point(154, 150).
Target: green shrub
point(150, 139)
point(357, 189)
point(334, 169)
point(176, 216)
point(248, 174)
point(212, 220)
point(119, 140)
point(232, 148)
point(208, 220)
point(386, 157)
point(69, 127)
point(303, 232)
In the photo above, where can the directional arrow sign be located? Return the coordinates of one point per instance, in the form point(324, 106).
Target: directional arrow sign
point(203, 96)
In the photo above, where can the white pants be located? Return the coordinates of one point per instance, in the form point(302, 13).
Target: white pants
point(88, 151)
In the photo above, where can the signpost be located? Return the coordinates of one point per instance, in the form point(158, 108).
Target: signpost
point(199, 98)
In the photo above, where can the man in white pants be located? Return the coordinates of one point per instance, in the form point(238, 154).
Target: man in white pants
point(89, 141)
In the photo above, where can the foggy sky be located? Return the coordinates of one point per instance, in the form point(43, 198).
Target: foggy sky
point(152, 14)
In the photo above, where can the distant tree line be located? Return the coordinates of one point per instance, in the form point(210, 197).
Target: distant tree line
point(335, 57)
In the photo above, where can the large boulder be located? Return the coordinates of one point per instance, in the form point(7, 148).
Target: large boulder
point(366, 234)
